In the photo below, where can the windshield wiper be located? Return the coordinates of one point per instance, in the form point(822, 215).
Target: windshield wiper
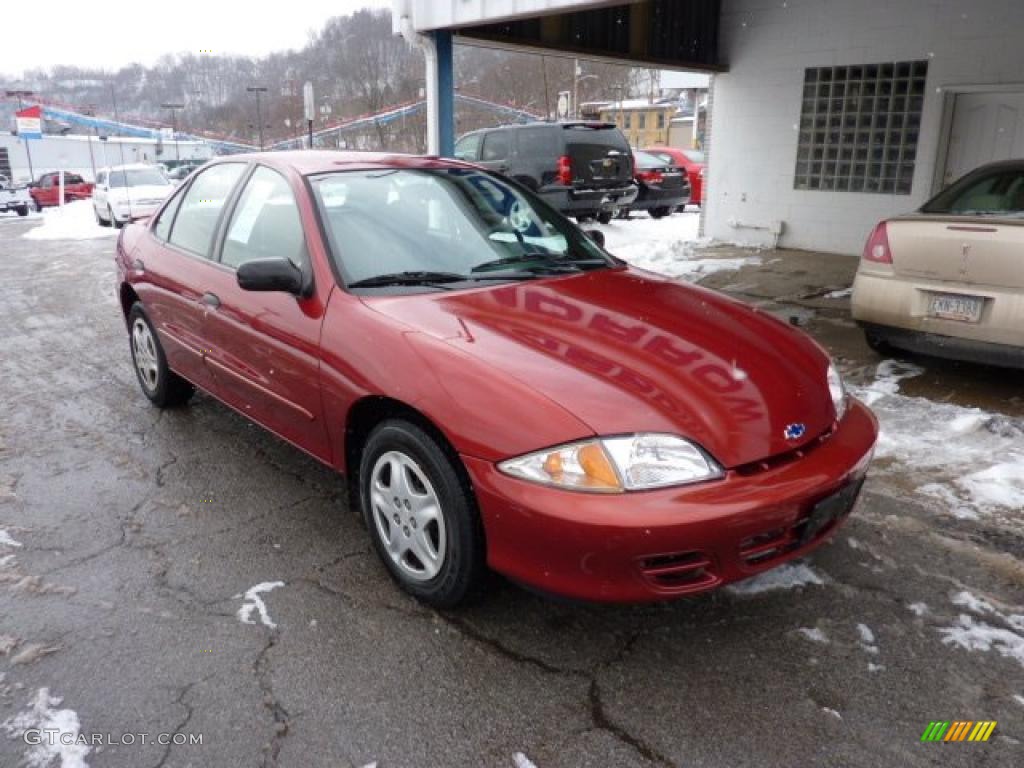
point(434, 279)
point(409, 278)
point(551, 264)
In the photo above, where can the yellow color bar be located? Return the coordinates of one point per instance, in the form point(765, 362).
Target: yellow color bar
point(988, 731)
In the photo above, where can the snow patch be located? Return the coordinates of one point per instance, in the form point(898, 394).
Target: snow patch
point(875, 667)
point(668, 246)
point(867, 638)
point(43, 714)
point(787, 576)
point(839, 294)
point(972, 460)
point(73, 221)
point(253, 602)
point(974, 635)
point(918, 609)
point(522, 761)
point(1019, 699)
point(814, 634)
point(832, 712)
point(6, 540)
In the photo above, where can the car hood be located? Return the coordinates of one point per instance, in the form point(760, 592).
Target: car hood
point(629, 351)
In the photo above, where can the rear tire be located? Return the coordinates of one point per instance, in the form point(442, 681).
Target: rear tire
point(163, 387)
point(22, 210)
point(659, 213)
point(604, 217)
point(877, 343)
point(421, 515)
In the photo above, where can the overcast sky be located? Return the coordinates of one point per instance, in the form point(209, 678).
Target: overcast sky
point(42, 34)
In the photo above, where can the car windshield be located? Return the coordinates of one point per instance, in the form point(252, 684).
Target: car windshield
point(456, 221)
point(137, 177)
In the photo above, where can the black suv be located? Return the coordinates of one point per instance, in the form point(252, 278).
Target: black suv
point(583, 169)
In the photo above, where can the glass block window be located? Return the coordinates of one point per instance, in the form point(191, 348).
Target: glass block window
point(859, 127)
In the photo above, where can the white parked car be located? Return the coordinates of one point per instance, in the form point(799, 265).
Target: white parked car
point(126, 192)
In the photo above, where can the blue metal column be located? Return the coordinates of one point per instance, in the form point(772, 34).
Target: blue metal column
point(445, 92)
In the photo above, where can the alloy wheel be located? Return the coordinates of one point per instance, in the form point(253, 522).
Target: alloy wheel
point(145, 356)
point(408, 516)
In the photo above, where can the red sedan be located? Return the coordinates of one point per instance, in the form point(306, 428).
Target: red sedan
point(690, 160)
point(46, 190)
point(500, 391)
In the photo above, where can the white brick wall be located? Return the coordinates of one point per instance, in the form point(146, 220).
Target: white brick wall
point(767, 44)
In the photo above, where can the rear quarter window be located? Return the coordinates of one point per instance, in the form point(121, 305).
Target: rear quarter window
point(538, 142)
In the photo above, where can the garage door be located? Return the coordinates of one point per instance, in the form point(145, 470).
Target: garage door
point(986, 127)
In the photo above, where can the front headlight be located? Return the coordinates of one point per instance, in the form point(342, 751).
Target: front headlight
point(616, 464)
point(837, 389)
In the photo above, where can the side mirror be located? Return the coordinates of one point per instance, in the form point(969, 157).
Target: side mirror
point(271, 275)
point(596, 235)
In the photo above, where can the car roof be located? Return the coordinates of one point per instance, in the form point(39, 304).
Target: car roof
point(308, 162)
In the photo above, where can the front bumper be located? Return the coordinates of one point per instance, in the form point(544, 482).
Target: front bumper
point(660, 544)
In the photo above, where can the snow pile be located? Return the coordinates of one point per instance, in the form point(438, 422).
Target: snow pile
point(522, 761)
point(786, 576)
point(982, 452)
point(253, 602)
point(973, 635)
point(64, 729)
point(73, 221)
point(668, 246)
point(867, 639)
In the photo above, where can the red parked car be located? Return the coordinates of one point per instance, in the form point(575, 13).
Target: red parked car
point(46, 190)
point(500, 391)
point(690, 160)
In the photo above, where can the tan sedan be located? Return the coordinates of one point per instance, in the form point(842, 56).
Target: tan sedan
point(948, 280)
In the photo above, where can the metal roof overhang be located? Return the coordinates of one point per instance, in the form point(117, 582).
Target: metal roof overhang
point(669, 34)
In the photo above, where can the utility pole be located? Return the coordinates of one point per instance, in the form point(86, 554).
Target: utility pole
point(174, 125)
point(258, 89)
point(91, 112)
point(28, 152)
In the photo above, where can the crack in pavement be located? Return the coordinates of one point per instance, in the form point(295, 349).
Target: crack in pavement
point(282, 720)
point(189, 710)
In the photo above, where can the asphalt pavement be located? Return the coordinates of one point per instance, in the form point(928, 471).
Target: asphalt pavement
point(136, 542)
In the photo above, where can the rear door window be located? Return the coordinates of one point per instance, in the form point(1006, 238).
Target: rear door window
point(496, 146)
point(201, 207)
point(162, 229)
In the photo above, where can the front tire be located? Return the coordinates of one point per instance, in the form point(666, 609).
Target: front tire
point(163, 387)
point(605, 217)
point(100, 220)
point(421, 515)
point(659, 213)
point(113, 219)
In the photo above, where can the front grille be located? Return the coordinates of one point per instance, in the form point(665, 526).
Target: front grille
point(781, 459)
point(679, 571)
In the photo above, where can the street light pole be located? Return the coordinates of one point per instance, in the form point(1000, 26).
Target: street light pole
point(258, 89)
point(28, 151)
point(174, 124)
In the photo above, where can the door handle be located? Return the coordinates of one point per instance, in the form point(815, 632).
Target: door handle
point(210, 300)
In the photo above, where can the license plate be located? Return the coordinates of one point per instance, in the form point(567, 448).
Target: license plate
point(830, 509)
point(950, 306)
